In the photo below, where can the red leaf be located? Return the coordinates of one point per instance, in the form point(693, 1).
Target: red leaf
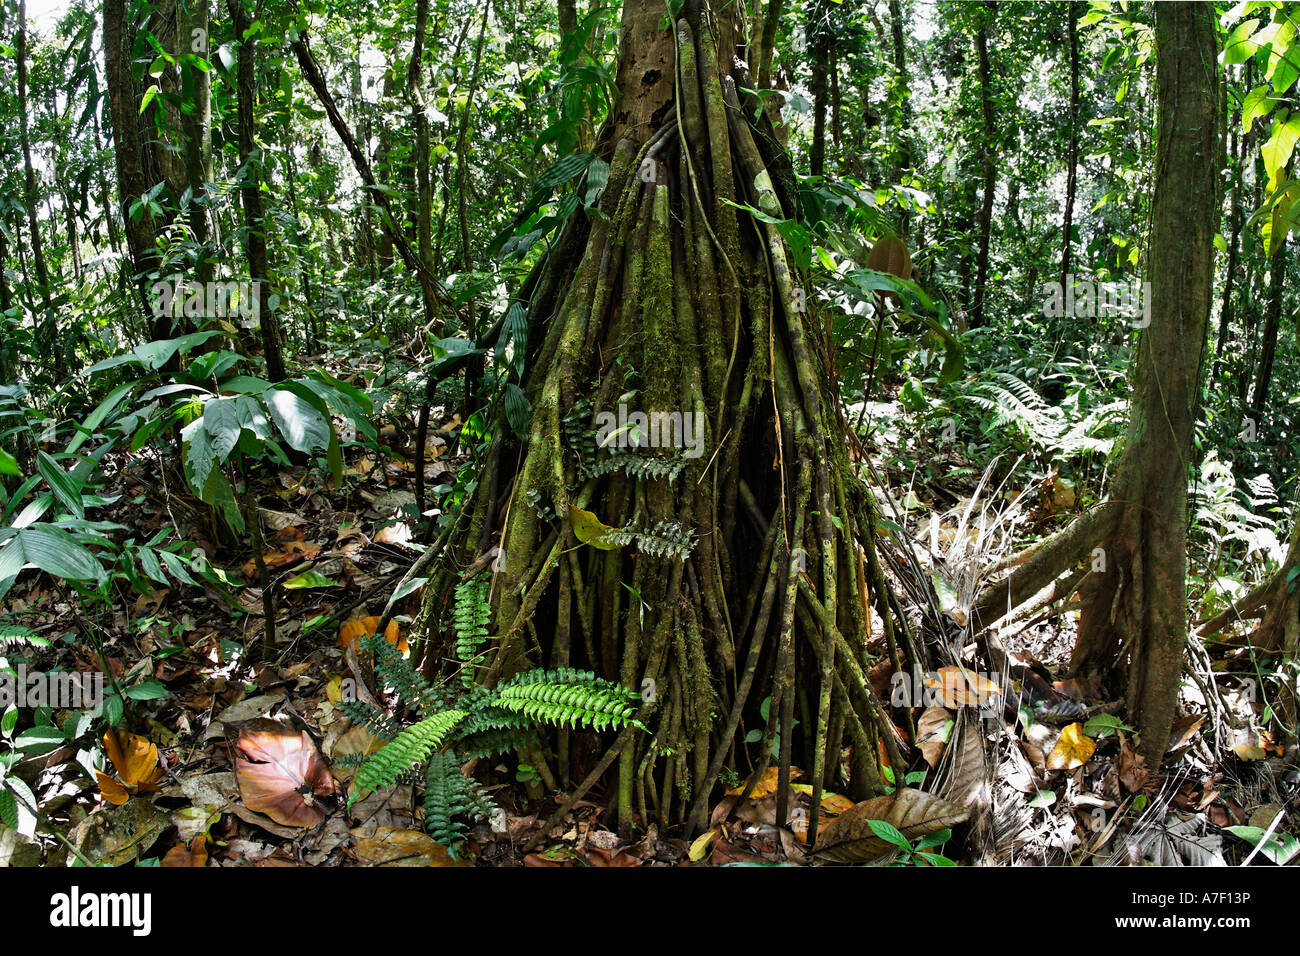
point(279, 773)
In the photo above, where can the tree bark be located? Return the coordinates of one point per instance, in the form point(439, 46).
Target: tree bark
point(988, 161)
point(701, 602)
point(250, 163)
point(1072, 157)
point(1133, 630)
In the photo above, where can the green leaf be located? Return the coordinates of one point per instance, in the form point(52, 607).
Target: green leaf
point(1240, 47)
point(889, 833)
point(564, 169)
point(310, 579)
point(9, 464)
point(519, 411)
point(1280, 847)
point(65, 488)
point(147, 690)
point(53, 551)
point(1281, 144)
point(98, 416)
point(221, 420)
point(303, 427)
point(1256, 104)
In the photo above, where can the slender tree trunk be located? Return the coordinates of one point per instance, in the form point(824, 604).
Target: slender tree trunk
point(1134, 624)
point(250, 163)
point(49, 328)
point(1234, 245)
point(1072, 157)
point(988, 159)
point(1272, 321)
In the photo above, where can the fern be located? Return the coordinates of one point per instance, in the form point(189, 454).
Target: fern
point(663, 539)
point(565, 696)
point(478, 722)
point(637, 466)
point(413, 745)
point(451, 797)
point(371, 718)
point(395, 671)
point(470, 619)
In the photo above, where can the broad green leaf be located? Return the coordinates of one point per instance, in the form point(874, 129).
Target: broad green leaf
point(65, 488)
point(310, 579)
point(303, 427)
point(1256, 104)
point(1281, 144)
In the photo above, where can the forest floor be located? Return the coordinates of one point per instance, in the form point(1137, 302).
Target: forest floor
point(229, 756)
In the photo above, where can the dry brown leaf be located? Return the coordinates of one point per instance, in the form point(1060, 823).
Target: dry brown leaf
point(960, 687)
point(135, 759)
point(932, 732)
point(394, 846)
point(849, 837)
point(766, 784)
point(280, 772)
point(196, 854)
point(353, 631)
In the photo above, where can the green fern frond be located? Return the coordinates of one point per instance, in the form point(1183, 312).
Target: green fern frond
point(450, 798)
point(413, 745)
point(397, 672)
point(567, 697)
point(371, 718)
point(638, 466)
point(470, 621)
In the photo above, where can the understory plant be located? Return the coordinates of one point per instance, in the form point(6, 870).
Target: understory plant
point(459, 721)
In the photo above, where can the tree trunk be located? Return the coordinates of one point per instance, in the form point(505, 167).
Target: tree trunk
point(1072, 160)
point(250, 163)
point(988, 161)
point(1134, 625)
point(745, 562)
point(48, 327)
point(1234, 244)
point(132, 182)
point(1272, 319)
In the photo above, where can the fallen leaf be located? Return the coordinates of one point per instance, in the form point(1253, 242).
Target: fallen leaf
point(960, 687)
point(196, 854)
point(279, 772)
point(394, 846)
point(353, 631)
point(1183, 730)
point(701, 846)
point(135, 759)
point(1073, 749)
point(766, 784)
point(932, 733)
point(849, 838)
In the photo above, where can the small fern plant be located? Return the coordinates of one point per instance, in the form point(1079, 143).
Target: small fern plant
point(457, 724)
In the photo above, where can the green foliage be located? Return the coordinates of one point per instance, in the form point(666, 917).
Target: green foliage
point(470, 620)
point(473, 721)
point(412, 746)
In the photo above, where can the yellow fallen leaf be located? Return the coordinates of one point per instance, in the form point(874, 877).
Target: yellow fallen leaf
point(1073, 749)
point(832, 803)
point(766, 785)
point(701, 846)
point(589, 529)
point(135, 759)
